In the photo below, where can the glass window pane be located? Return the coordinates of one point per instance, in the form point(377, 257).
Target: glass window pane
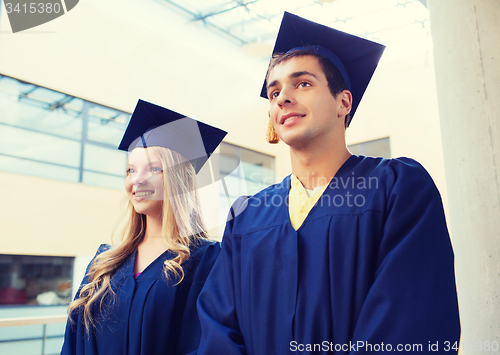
point(257, 158)
point(38, 146)
point(226, 148)
point(252, 187)
point(257, 177)
point(258, 173)
point(106, 160)
point(224, 207)
point(251, 171)
point(103, 180)
point(106, 125)
point(374, 148)
point(33, 168)
point(40, 109)
point(33, 123)
point(228, 163)
point(35, 280)
point(233, 185)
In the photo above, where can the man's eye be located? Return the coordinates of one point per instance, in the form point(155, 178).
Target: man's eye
point(274, 94)
point(304, 84)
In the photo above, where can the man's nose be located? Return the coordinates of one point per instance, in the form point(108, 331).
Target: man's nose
point(285, 97)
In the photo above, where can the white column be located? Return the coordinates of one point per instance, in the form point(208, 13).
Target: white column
point(466, 35)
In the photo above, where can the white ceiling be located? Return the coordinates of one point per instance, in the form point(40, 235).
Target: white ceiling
point(254, 24)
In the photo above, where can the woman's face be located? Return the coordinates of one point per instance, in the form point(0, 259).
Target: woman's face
point(144, 182)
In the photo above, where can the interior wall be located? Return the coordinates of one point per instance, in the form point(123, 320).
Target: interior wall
point(48, 217)
point(401, 103)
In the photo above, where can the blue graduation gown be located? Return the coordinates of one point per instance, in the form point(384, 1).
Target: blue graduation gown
point(149, 315)
point(372, 264)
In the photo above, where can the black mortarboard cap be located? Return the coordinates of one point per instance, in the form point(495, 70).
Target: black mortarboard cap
point(152, 125)
point(356, 58)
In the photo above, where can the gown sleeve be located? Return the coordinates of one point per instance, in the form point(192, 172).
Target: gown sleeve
point(190, 330)
point(72, 328)
point(102, 248)
point(412, 301)
point(218, 300)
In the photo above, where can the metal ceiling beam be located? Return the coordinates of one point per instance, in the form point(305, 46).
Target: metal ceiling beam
point(193, 17)
point(26, 93)
point(57, 104)
point(268, 18)
point(218, 12)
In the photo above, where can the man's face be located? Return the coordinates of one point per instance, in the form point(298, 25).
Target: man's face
point(303, 110)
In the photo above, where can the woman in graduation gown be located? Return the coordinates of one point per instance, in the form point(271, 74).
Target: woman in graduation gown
point(139, 297)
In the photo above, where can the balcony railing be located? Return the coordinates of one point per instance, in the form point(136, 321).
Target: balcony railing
point(27, 321)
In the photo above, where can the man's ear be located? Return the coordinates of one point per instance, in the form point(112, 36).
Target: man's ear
point(345, 103)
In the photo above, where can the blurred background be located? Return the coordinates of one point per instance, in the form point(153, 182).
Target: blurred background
point(67, 88)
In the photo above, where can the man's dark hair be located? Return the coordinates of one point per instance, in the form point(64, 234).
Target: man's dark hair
point(336, 82)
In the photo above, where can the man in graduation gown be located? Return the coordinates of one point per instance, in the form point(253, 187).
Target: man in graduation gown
point(349, 254)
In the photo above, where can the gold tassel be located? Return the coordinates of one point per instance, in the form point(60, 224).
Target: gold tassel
point(271, 135)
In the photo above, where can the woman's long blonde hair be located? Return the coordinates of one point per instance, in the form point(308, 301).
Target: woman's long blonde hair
point(181, 225)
